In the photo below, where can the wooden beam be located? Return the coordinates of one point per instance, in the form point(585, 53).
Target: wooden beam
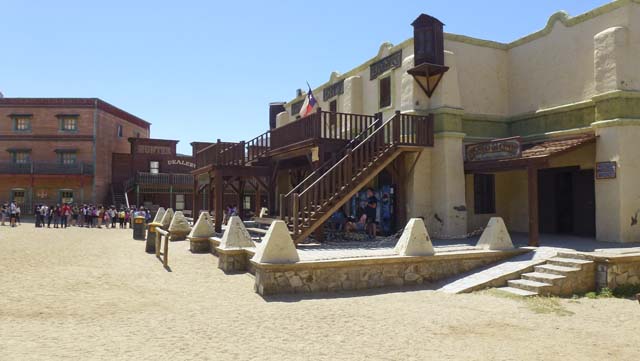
point(532, 172)
point(218, 203)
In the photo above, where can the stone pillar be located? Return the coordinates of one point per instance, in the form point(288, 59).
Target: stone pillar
point(415, 240)
point(495, 237)
point(200, 234)
point(618, 200)
point(610, 60)
point(179, 227)
point(231, 251)
point(447, 186)
point(618, 129)
point(276, 246)
point(351, 100)
point(282, 118)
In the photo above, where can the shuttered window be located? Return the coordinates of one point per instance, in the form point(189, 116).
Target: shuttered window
point(484, 188)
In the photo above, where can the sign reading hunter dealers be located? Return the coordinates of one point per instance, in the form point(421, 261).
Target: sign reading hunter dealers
point(497, 149)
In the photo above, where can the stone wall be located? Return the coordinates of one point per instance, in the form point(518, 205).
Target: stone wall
point(617, 271)
point(356, 274)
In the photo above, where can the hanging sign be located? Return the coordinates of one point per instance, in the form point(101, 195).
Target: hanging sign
point(494, 150)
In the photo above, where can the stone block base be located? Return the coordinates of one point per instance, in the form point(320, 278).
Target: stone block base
point(199, 245)
point(173, 237)
point(368, 273)
point(233, 260)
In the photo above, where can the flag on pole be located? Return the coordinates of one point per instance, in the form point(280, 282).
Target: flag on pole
point(309, 103)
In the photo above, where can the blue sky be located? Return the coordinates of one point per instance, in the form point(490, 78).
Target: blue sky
point(202, 70)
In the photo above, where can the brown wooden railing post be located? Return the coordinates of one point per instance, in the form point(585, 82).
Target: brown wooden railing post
point(296, 198)
point(395, 126)
point(281, 206)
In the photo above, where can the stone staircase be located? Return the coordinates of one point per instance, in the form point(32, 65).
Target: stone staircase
point(565, 274)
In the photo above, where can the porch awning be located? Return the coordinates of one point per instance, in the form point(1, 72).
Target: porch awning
point(532, 154)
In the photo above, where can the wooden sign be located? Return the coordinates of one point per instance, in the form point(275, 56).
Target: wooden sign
point(153, 149)
point(606, 170)
point(494, 150)
point(181, 162)
point(390, 62)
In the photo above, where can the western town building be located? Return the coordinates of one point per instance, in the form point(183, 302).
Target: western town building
point(85, 150)
point(541, 131)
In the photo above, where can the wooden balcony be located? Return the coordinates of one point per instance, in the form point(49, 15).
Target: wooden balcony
point(163, 179)
point(46, 168)
point(320, 125)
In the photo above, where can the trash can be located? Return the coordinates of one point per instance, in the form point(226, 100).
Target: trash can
point(138, 228)
point(151, 237)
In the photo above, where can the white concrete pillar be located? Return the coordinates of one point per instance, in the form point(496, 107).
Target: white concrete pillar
point(495, 236)
point(610, 60)
point(618, 200)
point(448, 186)
point(236, 235)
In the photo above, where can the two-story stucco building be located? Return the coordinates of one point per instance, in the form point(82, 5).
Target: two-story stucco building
point(566, 99)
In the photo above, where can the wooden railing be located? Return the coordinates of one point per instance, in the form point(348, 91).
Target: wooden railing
point(163, 178)
point(46, 168)
point(210, 155)
point(321, 125)
point(337, 156)
point(301, 208)
point(164, 257)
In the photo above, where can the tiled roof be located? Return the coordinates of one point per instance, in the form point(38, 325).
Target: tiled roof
point(552, 147)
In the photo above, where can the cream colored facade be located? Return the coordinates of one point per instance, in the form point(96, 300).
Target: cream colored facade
point(577, 75)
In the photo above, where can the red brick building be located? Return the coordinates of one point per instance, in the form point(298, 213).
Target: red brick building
point(57, 150)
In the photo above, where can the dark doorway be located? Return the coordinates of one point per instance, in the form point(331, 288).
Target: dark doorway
point(567, 201)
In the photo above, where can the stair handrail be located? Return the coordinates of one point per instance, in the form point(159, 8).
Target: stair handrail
point(350, 152)
point(337, 155)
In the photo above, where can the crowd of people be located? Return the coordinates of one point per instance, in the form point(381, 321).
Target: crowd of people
point(11, 212)
point(68, 215)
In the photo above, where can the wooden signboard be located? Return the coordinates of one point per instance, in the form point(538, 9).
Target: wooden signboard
point(606, 170)
point(494, 150)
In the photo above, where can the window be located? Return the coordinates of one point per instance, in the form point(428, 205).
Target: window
point(22, 124)
point(484, 189)
point(17, 196)
point(67, 157)
point(179, 202)
point(154, 167)
point(385, 92)
point(137, 134)
point(68, 123)
point(66, 196)
point(21, 157)
point(246, 202)
point(333, 108)
point(119, 131)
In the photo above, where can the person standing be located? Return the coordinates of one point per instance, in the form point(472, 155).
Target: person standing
point(372, 213)
point(49, 216)
point(12, 213)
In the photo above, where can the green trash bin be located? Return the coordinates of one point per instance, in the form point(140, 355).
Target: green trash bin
point(139, 228)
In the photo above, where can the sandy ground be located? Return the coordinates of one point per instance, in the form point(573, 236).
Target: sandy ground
point(95, 295)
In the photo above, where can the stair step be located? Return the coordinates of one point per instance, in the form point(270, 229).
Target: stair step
point(568, 262)
point(528, 285)
point(517, 291)
point(542, 277)
point(581, 256)
point(555, 269)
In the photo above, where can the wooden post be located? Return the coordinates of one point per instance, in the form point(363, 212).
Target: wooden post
point(258, 203)
point(295, 212)
point(165, 261)
point(534, 236)
point(281, 206)
point(218, 202)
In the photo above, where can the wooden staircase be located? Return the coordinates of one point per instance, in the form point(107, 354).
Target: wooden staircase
point(321, 194)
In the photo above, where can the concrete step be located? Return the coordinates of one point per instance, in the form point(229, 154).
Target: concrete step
point(542, 277)
point(533, 286)
point(572, 255)
point(555, 269)
point(568, 262)
point(517, 291)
